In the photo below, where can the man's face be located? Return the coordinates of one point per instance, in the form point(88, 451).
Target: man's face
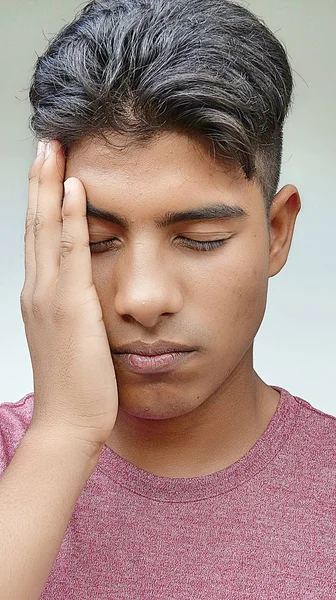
point(154, 285)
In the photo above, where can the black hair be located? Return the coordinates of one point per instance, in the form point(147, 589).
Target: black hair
point(207, 68)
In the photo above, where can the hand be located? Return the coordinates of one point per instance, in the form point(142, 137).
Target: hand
point(75, 386)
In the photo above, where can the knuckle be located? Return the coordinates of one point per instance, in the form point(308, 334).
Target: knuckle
point(39, 223)
point(30, 218)
point(24, 304)
point(38, 302)
point(33, 173)
point(23, 297)
point(67, 244)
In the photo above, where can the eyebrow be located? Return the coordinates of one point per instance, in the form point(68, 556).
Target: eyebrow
point(216, 211)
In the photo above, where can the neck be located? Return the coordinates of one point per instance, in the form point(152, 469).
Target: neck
point(211, 438)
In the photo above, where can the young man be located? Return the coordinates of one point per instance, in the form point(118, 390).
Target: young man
point(151, 461)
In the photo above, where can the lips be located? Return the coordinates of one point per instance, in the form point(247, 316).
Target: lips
point(160, 347)
point(161, 363)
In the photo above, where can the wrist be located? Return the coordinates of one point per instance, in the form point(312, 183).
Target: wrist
point(64, 442)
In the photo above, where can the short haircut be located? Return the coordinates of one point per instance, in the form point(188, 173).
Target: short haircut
point(206, 68)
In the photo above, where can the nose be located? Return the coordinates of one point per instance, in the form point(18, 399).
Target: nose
point(147, 287)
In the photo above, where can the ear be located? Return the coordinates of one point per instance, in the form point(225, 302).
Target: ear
point(283, 213)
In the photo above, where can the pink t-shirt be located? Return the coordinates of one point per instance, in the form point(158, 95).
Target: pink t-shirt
point(262, 529)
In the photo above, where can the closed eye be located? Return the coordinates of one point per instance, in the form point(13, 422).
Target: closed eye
point(203, 246)
point(206, 246)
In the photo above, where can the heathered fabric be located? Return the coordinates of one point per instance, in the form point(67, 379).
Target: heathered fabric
point(262, 529)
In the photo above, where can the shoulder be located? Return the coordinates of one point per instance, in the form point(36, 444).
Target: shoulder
point(309, 436)
point(15, 419)
point(313, 448)
point(318, 426)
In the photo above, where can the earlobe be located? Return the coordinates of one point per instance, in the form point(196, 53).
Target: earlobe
point(284, 211)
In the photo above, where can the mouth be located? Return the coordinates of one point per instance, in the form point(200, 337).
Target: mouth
point(159, 363)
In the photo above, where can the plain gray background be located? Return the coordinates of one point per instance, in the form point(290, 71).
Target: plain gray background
point(295, 345)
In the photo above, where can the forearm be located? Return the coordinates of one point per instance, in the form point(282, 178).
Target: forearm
point(38, 494)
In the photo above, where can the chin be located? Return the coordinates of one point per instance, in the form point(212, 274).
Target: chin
point(156, 410)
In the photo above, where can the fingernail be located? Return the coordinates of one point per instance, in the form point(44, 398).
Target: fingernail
point(48, 149)
point(40, 148)
point(66, 187)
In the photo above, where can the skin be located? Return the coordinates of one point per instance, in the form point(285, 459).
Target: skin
point(212, 409)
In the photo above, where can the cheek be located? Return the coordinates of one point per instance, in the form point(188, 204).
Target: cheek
point(233, 292)
point(104, 282)
point(99, 276)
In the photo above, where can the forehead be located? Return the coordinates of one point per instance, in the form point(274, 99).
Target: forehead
point(171, 168)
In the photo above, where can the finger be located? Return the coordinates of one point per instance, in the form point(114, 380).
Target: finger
point(29, 238)
point(48, 221)
point(75, 268)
